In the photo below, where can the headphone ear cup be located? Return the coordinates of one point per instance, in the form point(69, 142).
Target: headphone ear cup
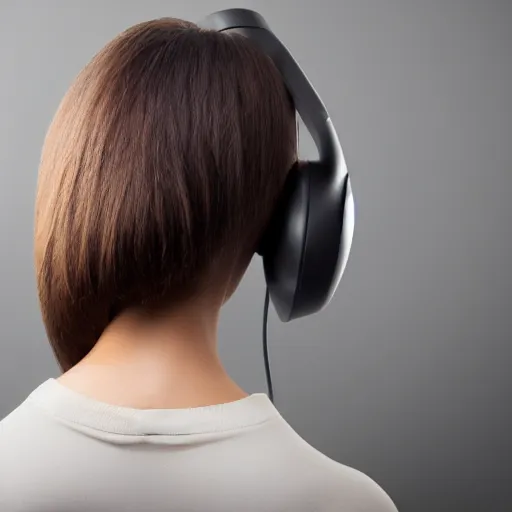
point(308, 241)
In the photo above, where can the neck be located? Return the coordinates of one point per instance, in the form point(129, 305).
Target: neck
point(164, 360)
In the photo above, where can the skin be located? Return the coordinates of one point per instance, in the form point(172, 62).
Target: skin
point(167, 360)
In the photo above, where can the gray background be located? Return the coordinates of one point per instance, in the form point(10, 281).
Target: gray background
point(406, 375)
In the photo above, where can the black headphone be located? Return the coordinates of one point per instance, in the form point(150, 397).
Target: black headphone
point(306, 246)
point(308, 241)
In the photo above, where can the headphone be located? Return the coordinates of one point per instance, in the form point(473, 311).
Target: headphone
point(308, 241)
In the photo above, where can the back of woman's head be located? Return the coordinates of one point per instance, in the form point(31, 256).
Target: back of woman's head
point(158, 176)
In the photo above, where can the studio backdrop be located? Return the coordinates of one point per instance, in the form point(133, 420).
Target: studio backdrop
point(411, 361)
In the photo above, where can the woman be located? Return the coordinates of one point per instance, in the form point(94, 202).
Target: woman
point(158, 176)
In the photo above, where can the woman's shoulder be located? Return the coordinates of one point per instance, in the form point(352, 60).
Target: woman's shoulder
point(338, 486)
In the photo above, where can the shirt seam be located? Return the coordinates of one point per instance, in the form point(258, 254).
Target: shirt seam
point(62, 419)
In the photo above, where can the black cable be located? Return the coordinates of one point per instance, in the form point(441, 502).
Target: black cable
point(265, 347)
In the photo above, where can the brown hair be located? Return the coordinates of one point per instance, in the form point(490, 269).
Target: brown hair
point(161, 166)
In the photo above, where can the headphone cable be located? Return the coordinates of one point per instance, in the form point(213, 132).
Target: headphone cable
point(265, 347)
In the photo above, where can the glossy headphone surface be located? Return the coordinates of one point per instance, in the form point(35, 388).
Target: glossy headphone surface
point(307, 243)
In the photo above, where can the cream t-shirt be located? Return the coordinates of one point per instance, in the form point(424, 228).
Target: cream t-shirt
point(61, 451)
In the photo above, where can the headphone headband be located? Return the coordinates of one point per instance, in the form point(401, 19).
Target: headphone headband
point(306, 100)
